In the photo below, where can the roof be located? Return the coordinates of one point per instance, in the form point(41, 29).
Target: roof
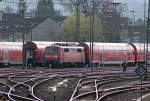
point(73, 47)
point(140, 46)
point(111, 46)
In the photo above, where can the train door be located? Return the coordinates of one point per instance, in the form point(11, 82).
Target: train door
point(29, 53)
point(1, 58)
point(100, 54)
point(6, 58)
point(29, 57)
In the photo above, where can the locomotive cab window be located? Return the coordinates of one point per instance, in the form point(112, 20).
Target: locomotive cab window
point(72, 50)
point(79, 50)
point(66, 50)
point(53, 49)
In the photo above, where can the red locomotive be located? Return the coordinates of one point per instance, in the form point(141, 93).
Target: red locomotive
point(64, 55)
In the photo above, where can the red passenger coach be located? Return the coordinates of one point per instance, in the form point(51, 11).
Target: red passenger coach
point(10, 53)
point(64, 55)
point(140, 53)
point(109, 53)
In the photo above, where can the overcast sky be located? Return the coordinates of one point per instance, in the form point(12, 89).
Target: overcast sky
point(137, 5)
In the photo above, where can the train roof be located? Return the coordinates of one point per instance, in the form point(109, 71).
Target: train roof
point(74, 47)
point(50, 43)
point(140, 46)
point(114, 44)
point(11, 43)
point(44, 44)
point(10, 47)
point(110, 46)
point(33, 44)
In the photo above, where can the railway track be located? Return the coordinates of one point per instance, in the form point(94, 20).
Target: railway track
point(97, 89)
point(23, 89)
point(69, 84)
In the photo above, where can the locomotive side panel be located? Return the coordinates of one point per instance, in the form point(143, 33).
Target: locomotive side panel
point(73, 55)
point(64, 55)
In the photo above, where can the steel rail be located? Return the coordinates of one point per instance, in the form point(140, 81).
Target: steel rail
point(96, 89)
point(107, 90)
point(18, 97)
point(76, 89)
point(123, 90)
point(103, 80)
point(33, 87)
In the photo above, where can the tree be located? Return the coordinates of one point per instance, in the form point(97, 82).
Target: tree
point(109, 12)
point(22, 8)
point(137, 31)
point(69, 29)
point(8, 10)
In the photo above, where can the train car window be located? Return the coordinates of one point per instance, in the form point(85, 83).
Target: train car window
point(110, 47)
point(118, 47)
point(104, 47)
point(107, 48)
point(66, 50)
point(100, 48)
point(79, 50)
point(121, 48)
point(72, 50)
point(124, 48)
point(113, 48)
